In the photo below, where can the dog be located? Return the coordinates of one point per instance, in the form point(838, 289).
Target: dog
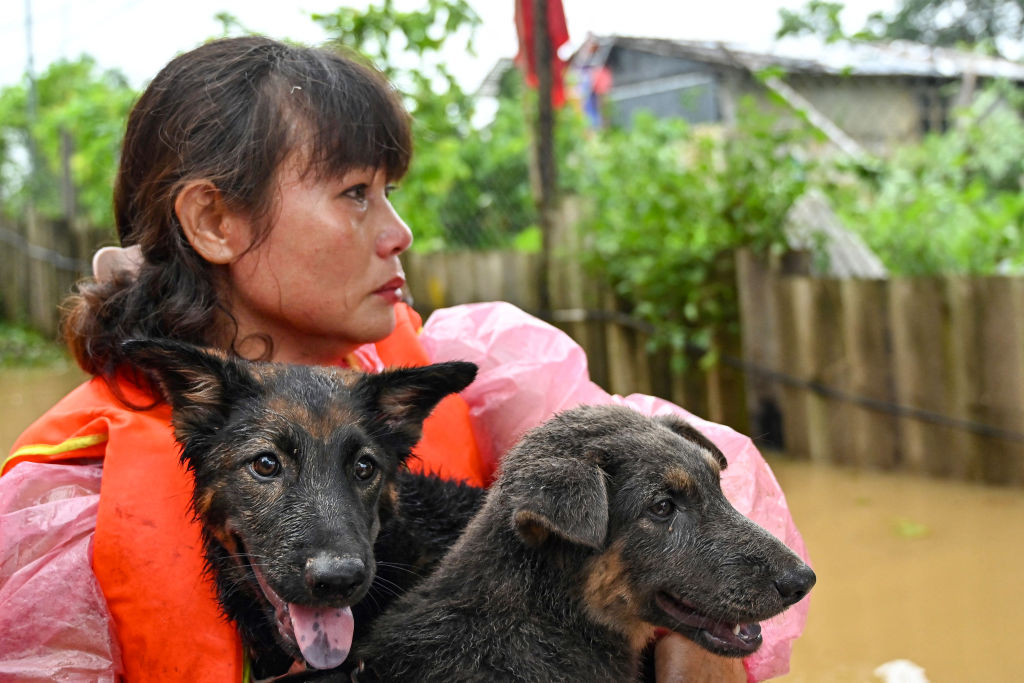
point(296, 471)
point(603, 526)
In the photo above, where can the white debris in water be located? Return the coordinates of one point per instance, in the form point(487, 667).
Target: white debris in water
point(901, 671)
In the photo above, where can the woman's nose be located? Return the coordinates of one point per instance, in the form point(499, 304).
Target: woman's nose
point(394, 236)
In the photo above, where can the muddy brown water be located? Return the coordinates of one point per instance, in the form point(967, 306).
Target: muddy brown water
point(26, 393)
point(908, 568)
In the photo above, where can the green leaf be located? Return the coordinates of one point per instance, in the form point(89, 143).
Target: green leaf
point(910, 529)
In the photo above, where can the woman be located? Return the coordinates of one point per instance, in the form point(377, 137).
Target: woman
point(253, 189)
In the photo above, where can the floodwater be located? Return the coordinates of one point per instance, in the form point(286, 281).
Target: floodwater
point(908, 568)
point(26, 393)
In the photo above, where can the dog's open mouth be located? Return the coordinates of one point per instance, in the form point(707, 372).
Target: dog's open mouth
point(322, 634)
point(712, 634)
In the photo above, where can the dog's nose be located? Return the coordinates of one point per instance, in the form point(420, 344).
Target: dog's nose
point(334, 577)
point(795, 584)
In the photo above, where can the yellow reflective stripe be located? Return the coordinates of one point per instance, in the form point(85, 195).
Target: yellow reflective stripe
point(73, 444)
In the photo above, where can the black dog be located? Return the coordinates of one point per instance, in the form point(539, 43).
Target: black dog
point(291, 464)
point(603, 526)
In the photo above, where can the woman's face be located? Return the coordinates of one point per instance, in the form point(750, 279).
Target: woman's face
point(327, 276)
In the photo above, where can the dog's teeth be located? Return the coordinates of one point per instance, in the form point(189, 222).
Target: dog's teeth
point(736, 630)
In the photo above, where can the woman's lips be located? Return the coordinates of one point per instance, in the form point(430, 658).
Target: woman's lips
point(391, 290)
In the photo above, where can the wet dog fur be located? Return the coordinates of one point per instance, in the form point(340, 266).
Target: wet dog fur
point(297, 469)
point(603, 526)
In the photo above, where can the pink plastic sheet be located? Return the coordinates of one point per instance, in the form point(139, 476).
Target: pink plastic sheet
point(530, 370)
point(54, 623)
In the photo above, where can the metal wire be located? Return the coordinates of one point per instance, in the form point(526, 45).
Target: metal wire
point(819, 388)
point(54, 258)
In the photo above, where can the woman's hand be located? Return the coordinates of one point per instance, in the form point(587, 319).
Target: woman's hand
point(677, 659)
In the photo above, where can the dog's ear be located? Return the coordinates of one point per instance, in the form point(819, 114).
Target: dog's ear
point(401, 399)
point(560, 497)
point(199, 384)
point(690, 433)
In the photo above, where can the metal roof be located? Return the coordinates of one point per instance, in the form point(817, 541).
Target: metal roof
point(811, 224)
point(810, 55)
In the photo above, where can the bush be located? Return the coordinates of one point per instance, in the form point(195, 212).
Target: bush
point(951, 204)
point(77, 104)
point(20, 346)
point(670, 204)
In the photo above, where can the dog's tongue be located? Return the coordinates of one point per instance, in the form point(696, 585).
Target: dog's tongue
point(324, 634)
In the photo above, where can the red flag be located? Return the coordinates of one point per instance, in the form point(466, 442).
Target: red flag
point(558, 35)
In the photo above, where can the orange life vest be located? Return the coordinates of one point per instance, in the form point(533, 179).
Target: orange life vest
point(147, 552)
point(447, 447)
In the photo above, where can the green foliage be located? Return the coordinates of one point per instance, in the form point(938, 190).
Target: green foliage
point(951, 204)
point(435, 99)
point(77, 102)
point(230, 25)
point(492, 202)
point(815, 18)
point(373, 31)
point(979, 24)
point(21, 347)
point(669, 206)
point(910, 529)
point(468, 187)
point(471, 188)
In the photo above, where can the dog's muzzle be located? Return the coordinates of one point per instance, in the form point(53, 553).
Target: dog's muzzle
point(712, 634)
point(322, 634)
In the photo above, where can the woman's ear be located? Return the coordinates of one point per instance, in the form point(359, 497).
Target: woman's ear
point(216, 233)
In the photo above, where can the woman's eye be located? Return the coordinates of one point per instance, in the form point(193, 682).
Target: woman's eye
point(356, 192)
point(388, 189)
point(364, 468)
point(663, 509)
point(265, 466)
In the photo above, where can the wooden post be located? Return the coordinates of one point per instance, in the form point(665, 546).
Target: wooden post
point(14, 275)
point(598, 352)
point(995, 390)
point(760, 344)
point(42, 276)
point(966, 353)
point(67, 183)
point(792, 297)
point(924, 357)
point(873, 435)
point(828, 418)
point(621, 375)
point(544, 142)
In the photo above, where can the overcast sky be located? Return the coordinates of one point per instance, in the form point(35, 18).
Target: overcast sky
point(140, 36)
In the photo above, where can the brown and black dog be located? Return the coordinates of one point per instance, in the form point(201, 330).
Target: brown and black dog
point(603, 526)
point(296, 470)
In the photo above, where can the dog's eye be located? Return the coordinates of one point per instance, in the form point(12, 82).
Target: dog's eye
point(663, 509)
point(266, 465)
point(364, 468)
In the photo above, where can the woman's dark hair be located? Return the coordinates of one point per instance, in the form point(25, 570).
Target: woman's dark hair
point(228, 112)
